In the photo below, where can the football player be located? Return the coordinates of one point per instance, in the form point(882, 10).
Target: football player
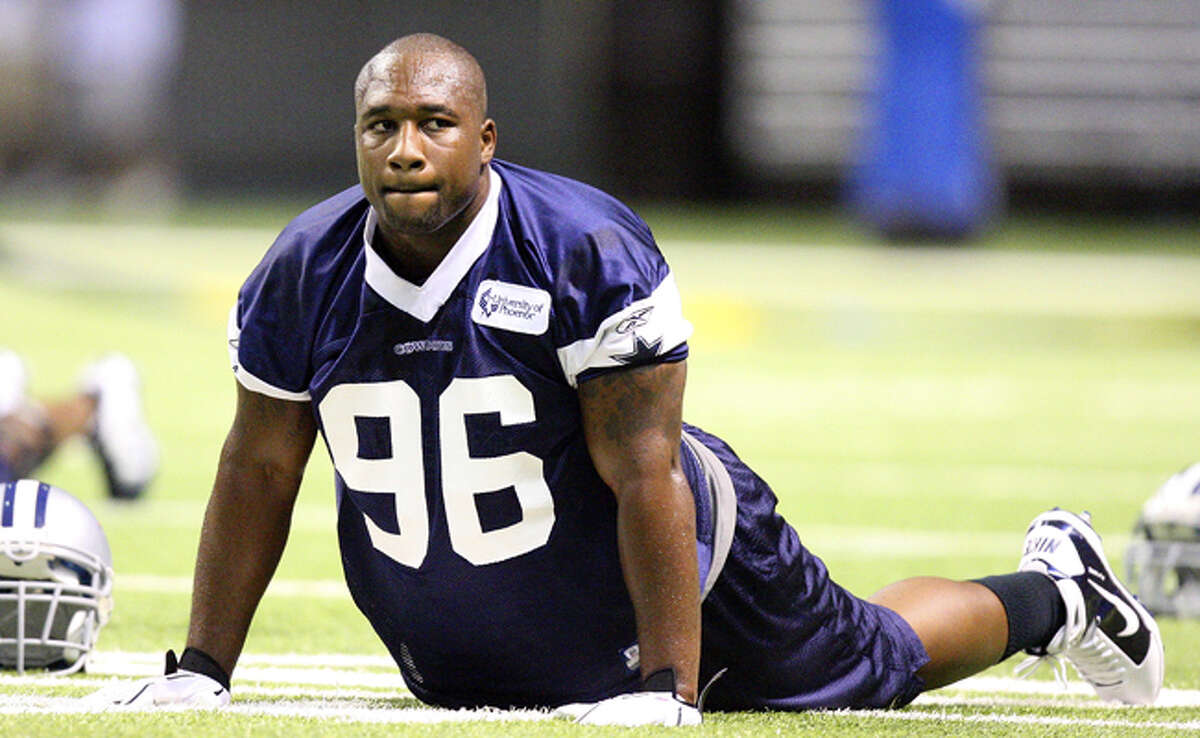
point(107, 410)
point(495, 358)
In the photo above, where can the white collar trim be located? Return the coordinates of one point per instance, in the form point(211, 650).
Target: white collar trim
point(424, 301)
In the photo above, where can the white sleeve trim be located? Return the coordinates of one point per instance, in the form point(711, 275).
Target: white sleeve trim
point(654, 319)
point(254, 384)
point(245, 378)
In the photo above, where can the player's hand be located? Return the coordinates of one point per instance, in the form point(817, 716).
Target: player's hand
point(181, 689)
point(633, 709)
point(176, 688)
point(656, 704)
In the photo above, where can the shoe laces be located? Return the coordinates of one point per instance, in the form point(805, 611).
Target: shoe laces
point(1068, 642)
point(1052, 656)
point(1096, 659)
point(1030, 664)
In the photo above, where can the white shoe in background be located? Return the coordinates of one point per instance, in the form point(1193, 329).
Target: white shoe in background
point(120, 434)
point(14, 381)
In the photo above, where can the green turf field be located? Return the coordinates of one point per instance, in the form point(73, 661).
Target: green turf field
point(914, 408)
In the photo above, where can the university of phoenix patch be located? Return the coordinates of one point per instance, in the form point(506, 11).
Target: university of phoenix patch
point(511, 307)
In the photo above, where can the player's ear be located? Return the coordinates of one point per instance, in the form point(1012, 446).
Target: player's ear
point(487, 140)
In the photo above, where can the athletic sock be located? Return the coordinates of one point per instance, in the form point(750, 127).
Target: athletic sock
point(1034, 608)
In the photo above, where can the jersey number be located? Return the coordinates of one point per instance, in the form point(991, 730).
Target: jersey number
point(402, 475)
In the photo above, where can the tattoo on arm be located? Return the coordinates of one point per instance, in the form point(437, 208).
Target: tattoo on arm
point(632, 420)
point(631, 402)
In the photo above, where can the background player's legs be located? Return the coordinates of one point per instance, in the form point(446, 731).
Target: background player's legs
point(119, 434)
point(107, 410)
point(963, 625)
point(31, 432)
point(70, 417)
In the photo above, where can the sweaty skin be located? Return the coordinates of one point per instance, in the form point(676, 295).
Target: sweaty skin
point(632, 420)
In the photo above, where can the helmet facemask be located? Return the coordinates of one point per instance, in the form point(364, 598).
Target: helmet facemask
point(55, 582)
point(1166, 575)
point(1163, 559)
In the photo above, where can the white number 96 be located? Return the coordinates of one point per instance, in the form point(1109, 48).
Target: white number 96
point(402, 475)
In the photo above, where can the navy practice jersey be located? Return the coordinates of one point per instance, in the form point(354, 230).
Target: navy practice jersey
point(476, 535)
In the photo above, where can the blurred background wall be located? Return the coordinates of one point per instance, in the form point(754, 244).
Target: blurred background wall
point(1086, 103)
point(1090, 104)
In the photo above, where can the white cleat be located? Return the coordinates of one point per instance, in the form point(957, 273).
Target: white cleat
point(1110, 639)
point(120, 435)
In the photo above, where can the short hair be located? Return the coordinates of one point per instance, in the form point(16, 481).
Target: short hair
point(470, 72)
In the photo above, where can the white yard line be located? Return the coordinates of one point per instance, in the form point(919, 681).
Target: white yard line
point(1074, 721)
point(350, 711)
point(118, 662)
point(315, 670)
point(1075, 688)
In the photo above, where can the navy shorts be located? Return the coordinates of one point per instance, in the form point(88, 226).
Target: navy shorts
point(790, 637)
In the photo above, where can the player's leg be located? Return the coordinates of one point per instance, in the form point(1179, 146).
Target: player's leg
point(32, 431)
point(107, 410)
point(967, 627)
point(69, 417)
point(23, 445)
point(793, 639)
point(1064, 601)
point(780, 630)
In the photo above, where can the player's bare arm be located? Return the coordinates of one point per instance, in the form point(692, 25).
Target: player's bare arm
point(247, 520)
point(632, 423)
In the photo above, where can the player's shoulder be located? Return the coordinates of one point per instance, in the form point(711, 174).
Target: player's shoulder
point(562, 209)
point(328, 230)
point(330, 221)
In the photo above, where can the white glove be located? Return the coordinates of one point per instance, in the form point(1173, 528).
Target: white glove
point(633, 709)
point(176, 688)
point(182, 689)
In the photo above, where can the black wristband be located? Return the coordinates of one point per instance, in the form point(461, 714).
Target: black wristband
point(193, 659)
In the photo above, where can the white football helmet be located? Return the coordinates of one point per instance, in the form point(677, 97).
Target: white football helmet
point(1163, 559)
point(55, 578)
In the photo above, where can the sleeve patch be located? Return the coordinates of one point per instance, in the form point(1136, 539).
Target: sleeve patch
point(638, 334)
